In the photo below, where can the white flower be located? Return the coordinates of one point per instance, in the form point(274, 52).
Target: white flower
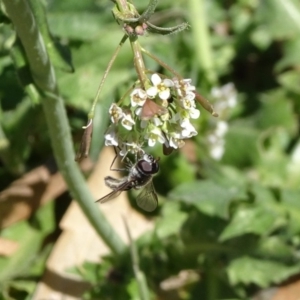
point(116, 113)
point(226, 96)
point(138, 111)
point(155, 135)
point(194, 113)
point(217, 151)
point(179, 116)
point(143, 123)
point(184, 87)
point(127, 120)
point(160, 87)
point(189, 105)
point(111, 137)
point(138, 97)
point(131, 147)
point(221, 128)
point(174, 140)
point(216, 140)
point(176, 143)
point(188, 101)
point(188, 129)
point(157, 121)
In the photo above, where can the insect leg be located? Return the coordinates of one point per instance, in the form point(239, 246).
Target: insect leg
point(117, 169)
point(128, 164)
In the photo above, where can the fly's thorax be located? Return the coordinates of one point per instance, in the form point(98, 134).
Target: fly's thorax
point(142, 182)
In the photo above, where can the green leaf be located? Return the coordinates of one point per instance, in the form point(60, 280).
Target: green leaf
point(18, 125)
point(241, 18)
point(24, 285)
point(262, 194)
point(79, 89)
point(277, 110)
point(133, 290)
point(291, 50)
point(255, 220)
point(261, 218)
point(70, 5)
point(171, 221)
point(273, 164)
point(90, 272)
point(30, 237)
point(78, 25)
point(261, 37)
point(283, 12)
point(182, 171)
point(290, 201)
point(209, 197)
point(263, 273)
point(275, 247)
point(241, 148)
point(290, 80)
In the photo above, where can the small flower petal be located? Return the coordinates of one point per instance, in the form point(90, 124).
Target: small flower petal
point(127, 120)
point(188, 129)
point(194, 113)
point(138, 97)
point(168, 82)
point(116, 113)
point(221, 129)
point(155, 135)
point(111, 137)
point(164, 94)
point(155, 79)
point(152, 91)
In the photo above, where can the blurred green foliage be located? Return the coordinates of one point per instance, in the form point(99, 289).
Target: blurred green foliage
point(234, 221)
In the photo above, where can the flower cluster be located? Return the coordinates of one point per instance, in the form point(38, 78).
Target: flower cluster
point(161, 113)
point(225, 99)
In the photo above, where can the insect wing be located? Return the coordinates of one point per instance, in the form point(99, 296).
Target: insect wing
point(147, 198)
point(116, 192)
point(109, 196)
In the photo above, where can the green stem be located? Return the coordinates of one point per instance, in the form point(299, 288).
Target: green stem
point(85, 145)
point(139, 62)
point(162, 63)
point(201, 38)
point(110, 64)
point(212, 281)
point(18, 56)
point(38, 9)
point(139, 275)
point(4, 148)
point(135, 46)
point(122, 5)
point(44, 77)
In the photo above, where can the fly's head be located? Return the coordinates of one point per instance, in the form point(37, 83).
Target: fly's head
point(148, 164)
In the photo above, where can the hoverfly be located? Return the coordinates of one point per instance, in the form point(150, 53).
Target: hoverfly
point(139, 176)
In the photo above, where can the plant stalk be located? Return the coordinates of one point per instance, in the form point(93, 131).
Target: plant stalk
point(44, 77)
point(200, 30)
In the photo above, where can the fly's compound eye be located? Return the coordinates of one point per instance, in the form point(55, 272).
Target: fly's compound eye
point(147, 167)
